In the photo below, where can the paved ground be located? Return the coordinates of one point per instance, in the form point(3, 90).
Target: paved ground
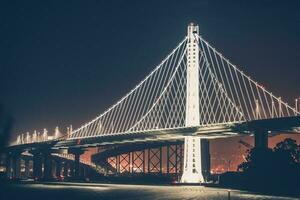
point(86, 191)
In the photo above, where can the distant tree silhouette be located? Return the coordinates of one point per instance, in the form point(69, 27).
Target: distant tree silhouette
point(6, 123)
point(277, 169)
point(288, 149)
point(257, 159)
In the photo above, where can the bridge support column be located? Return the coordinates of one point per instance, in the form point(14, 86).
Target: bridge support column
point(85, 172)
point(9, 165)
point(261, 139)
point(205, 159)
point(144, 161)
point(66, 169)
point(27, 168)
point(16, 165)
point(168, 159)
point(76, 153)
point(118, 164)
point(71, 170)
point(76, 166)
point(58, 169)
point(47, 166)
point(37, 165)
point(196, 167)
point(53, 168)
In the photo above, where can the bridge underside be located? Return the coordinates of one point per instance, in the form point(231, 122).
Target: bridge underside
point(150, 136)
point(154, 157)
point(28, 166)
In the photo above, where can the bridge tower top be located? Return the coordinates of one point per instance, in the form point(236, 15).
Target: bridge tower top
point(192, 29)
point(192, 117)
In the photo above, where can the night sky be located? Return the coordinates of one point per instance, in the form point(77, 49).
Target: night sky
point(65, 62)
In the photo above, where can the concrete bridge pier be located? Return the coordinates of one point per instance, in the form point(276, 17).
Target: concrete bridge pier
point(16, 166)
point(66, 169)
point(9, 165)
point(205, 159)
point(86, 172)
point(261, 139)
point(47, 165)
point(37, 165)
point(53, 168)
point(27, 168)
point(76, 152)
point(196, 165)
point(71, 170)
point(82, 171)
point(58, 168)
point(77, 165)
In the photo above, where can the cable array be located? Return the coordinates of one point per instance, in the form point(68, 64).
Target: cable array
point(251, 98)
point(226, 95)
point(127, 112)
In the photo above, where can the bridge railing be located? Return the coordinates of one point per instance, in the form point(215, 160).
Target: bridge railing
point(37, 137)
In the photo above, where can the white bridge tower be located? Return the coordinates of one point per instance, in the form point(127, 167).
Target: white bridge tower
point(192, 169)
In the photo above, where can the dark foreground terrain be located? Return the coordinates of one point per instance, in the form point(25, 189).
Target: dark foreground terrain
point(86, 191)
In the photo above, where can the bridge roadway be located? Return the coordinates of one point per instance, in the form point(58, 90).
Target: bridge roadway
point(275, 125)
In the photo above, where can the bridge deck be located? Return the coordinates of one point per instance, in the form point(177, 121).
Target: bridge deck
point(277, 125)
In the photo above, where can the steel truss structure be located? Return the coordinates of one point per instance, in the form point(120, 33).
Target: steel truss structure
point(174, 159)
point(138, 162)
point(164, 159)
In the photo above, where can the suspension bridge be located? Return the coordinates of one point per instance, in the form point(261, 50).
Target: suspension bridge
point(194, 94)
